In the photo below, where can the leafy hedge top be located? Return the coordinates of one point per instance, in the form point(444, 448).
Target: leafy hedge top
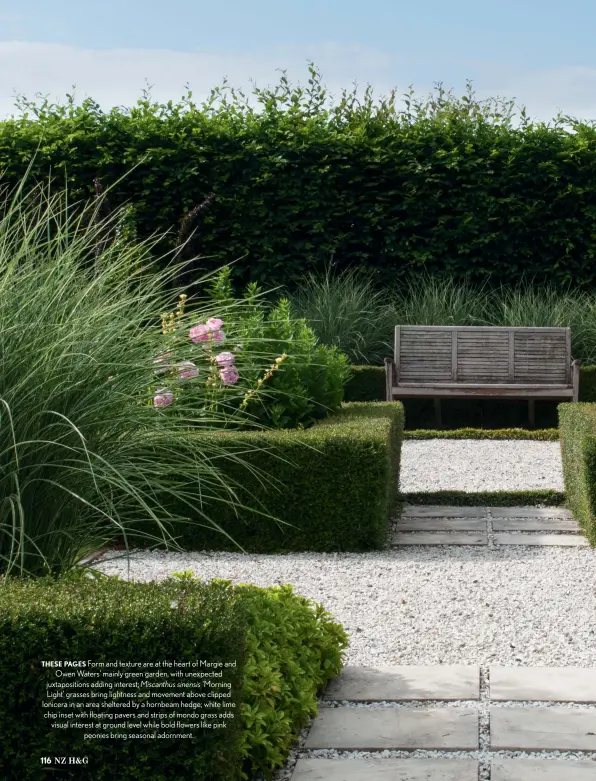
point(451, 188)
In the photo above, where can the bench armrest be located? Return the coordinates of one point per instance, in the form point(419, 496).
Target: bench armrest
point(389, 378)
point(575, 378)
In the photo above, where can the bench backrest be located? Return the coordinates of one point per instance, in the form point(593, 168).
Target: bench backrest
point(483, 354)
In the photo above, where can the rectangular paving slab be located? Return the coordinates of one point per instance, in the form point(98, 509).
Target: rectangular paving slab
point(441, 524)
point(439, 538)
point(542, 770)
point(537, 729)
point(376, 729)
point(530, 512)
point(535, 525)
point(548, 684)
point(439, 511)
point(503, 538)
point(386, 769)
point(415, 682)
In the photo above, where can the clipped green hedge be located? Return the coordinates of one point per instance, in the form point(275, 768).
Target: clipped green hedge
point(538, 498)
point(577, 426)
point(368, 384)
point(337, 485)
point(285, 651)
point(587, 383)
point(450, 187)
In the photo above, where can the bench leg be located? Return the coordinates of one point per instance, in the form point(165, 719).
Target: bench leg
point(438, 413)
point(531, 413)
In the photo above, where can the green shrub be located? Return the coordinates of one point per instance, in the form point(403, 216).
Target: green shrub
point(289, 379)
point(285, 648)
point(577, 426)
point(331, 487)
point(444, 187)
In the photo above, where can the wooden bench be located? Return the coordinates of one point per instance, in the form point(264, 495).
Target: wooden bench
point(482, 362)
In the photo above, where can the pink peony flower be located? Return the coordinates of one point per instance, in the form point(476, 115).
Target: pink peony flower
point(199, 333)
point(163, 397)
point(218, 336)
point(214, 323)
point(187, 369)
point(225, 360)
point(229, 375)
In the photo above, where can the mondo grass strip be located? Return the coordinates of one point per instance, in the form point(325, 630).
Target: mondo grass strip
point(540, 498)
point(545, 434)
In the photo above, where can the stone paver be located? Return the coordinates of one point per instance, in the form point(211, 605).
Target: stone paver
point(530, 512)
point(541, 770)
point(537, 729)
point(381, 769)
point(376, 729)
point(412, 682)
point(442, 524)
point(439, 538)
point(534, 524)
point(547, 684)
point(503, 538)
point(438, 511)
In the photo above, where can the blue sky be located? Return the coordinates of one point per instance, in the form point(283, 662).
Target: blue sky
point(540, 53)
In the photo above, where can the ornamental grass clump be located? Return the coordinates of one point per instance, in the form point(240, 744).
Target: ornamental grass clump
point(88, 447)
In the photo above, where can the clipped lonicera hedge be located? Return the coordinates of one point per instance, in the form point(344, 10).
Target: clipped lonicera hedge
point(368, 384)
point(286, 650)
point(577, 427)
point(336, 483)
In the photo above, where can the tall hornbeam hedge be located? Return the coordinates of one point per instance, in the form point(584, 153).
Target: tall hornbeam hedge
point(453, 187)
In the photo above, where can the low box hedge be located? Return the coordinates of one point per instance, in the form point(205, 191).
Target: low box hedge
point(336, 483)
point(368, 384)
point(284, 652)
point(577, 427)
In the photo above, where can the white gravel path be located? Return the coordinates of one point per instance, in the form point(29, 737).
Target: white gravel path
point(423, 605)
point(435, 605)
point(480, 465)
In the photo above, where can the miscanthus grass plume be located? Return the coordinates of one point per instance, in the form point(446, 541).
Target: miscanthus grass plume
point(84, 449)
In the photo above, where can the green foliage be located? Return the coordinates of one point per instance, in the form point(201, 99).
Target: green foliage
point(538, 498)
point(331, 487)
point(347, 311)
point(286, 649)
point(367, 383)
point(546, 435)
point(446, 187)
point(296, 381)
point(587, 383)
point(438, 300)
point(577, 425)
point(83, 450)
point(293, 651)
point(108, 620)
